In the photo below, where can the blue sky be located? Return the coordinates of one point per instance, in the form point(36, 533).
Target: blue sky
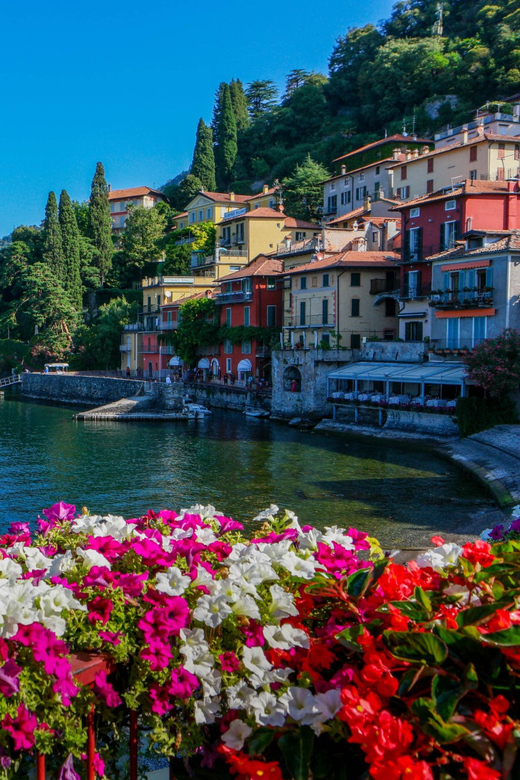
point(126, 83)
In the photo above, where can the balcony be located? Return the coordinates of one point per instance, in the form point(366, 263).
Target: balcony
point(125, 348)
point(169, 325)
point(378, 286)
point(231, 252)
point(309, 245)
point(131, 327)
point(461, 299)
point(413, 292)
point(263, 352)
point(309, 321)
point(151, 308)
point(234, 297)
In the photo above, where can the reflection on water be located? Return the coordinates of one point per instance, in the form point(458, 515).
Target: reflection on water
point(237, 463)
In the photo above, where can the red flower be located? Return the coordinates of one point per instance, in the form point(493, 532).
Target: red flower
point(478, 770)
point(478, 552)
point(99, 610)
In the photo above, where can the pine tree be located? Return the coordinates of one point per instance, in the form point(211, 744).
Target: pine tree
point(226, 151)
point(70, 238)
point(203, 165)
point(261, 97)
point(239, 102)
point(217, 109)
point(52, 246)
point(294, 80)
point(101, 222)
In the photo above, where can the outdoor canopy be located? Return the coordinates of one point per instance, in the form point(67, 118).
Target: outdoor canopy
point(423, 373)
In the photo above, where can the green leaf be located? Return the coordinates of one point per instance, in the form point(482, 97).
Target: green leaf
point(446, 693)
point(296, 749)
point(507, 638)
point(348, 637)
point(260, 741)
point(417, 648)
point(476, 615)
point(410, 609)
point(422, 599)
point(433, 725)
point(358, 583)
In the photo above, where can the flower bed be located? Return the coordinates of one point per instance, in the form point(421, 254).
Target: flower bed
point(300, 653)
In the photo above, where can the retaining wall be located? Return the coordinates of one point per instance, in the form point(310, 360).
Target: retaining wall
point(222, 397)
point(313, 365)
point(78, 389)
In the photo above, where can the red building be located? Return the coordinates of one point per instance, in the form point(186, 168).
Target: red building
point(433, 223)
point(251, 297)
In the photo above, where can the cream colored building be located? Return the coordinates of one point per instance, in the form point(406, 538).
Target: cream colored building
point(122, 201)
point(351, 294)
point(486, 156)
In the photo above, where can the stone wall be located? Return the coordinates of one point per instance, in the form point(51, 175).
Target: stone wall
point(390, 351)
point(424, 423)
point(313, 366)
point(225, 397)
point(78, 389)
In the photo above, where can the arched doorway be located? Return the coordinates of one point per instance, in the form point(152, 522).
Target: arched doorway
point(215, 367)
point(244, 369)
point(292, 379)
point(203, 366)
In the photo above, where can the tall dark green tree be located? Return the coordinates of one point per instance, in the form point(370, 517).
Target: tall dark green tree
point(101, 223)
point(239, 102)
point(52, 245)
point(217, 108)
point(295, 79)
point(261, 97)
point(203, 165)
point(226, 151)
point(70, 239)
point(303, 191)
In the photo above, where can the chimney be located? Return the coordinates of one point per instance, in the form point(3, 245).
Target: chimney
point(110, 188)
point(425, 150)
point(265, 188)
point(232, 196)
point(415, 152)
point(465, 134)
point(395, 154)
point(281, 208)
point(343, 170)
point(408, 154)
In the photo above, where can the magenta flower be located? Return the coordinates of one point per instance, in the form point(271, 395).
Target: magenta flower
point(19, 528)
point(67, 771)
point(227, 524)
point(253, 634)
point(9, 674)
point(229, 661)
point(99, 610)
point(161, 699)
point(112, 637)
point(60, 511)
point(183, 683)
point(158, 654)
point(105, 690)
point(130, 584)
point(21, 728)
point(515, 526)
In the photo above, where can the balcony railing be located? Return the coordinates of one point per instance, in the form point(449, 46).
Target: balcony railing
point(309, 321)
point(410, 292)
point(131, 327)
point(378, 286)
point(125, 348)
point(457, 299)
point(309, 245)
point(233, 297)
point(263, 352)
point(152, 308)
point(227, 251)
point(169, 325)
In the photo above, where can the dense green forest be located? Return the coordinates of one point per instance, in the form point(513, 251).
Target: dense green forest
point(431, 63)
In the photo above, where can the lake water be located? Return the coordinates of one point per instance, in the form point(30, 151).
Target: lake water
point(238, 464)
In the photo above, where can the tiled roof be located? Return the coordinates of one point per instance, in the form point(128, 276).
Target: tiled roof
point(359, 212)
point(134, 192)
point(262, 213)
point(181, 216)
point(510, 243)
point(291, 222)
point(398, 138)
point(260, 266)
point(350, 259)
point(382, 220)
point(459, 145)
point(356, 170)
point(195, 296)
point(466, 187)
point(224, 197)
point(271, 191)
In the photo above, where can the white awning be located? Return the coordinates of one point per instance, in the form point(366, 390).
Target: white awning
point(203, 363)
point(175, 361)
point(429, 373)
point(244, 365)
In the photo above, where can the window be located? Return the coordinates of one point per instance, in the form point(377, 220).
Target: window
point(246, 347)
point(517, 152)
point(473, 154)
point(355, 341)
point(325, 311)
point(374, 237)
point(345, 198)
point(332, 202)
point(413, 331)
point(208, 213)
point(361, 177)
point(450, 205)
point(181, 225)
point(430, 164)
point(412, 284)
point(500, 174)
point(228, 365)
point(314, 281)
point(247, 315)
point(228, 318)
point(413, 245)
point(228, 347)
point(302, 313)
point(479, 329)
point(325, 280)
point(389, 307)
point(473, 174)
point(415, 213)
point(193, 216)
point(404, 172)
point(403, 192)
point(299, 235)
point(501, 151)
point(303, 283)
point(360, 193)
point(201, 215)
point(271, 283)
point(240, 233)
point(452, 332)
point(325, 338)
point(354, 307)
point(271, 316)
point(378, 170)
point(355, 279)
point(333, 187)
point(449, 234)
point(429, 185)
point(226, 235)
point(247, 285)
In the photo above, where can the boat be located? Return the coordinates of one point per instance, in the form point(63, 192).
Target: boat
point(199, 410)
point(250, 411)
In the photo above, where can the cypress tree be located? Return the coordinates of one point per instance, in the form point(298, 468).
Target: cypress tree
point(70, 239)
point(52, 246)
point(226, 151)
point(101, 222)
point(239, 102)
point(203, 165)
point(217, 109)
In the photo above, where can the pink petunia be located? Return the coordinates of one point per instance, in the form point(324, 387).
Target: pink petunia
point(21, 728)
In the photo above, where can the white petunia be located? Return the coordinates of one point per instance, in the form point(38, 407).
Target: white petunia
point(440, 557)
point(267, 710)
point(254, 659)
point(211, 610)
point(211, 683)
point(266, 514)
point(339, 536)
point(299, 703)
point(282, 604)
point(239, 695)
point(300, 567)
point(207, 710)
point(205, 536)
point(237, 734)
point(10, 570)
point(310, 539)
point(60, 564)
point(274, 552)
point(172, 582)
point(93, 558)
point(285, 637)
point(327, 705)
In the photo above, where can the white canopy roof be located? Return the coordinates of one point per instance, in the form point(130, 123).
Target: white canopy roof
point(203, 363)
point(429, 373)
point(244, 365)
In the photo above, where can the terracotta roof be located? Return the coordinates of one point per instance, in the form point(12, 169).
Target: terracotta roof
point(291, 222)
point(510, 243)
point(466, 187)
point(181, 216)
point(261, 213)
point(271, 191)
point(224, 197)
point(260, 266)
point(350, 259)
point(179, 301)
point(398, 138)
point(359, 212)
point(382, 220)
point(134, 192)
point(490, 137)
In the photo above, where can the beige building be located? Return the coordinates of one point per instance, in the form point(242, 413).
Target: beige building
point(351, 295)
point(486, 156)
point(122, 201)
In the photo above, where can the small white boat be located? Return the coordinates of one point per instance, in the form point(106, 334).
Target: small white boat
point(252, 412)
point(198, 409)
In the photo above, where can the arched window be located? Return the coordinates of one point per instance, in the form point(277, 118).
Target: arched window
point(292, 379)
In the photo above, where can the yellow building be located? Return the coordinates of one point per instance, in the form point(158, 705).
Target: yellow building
point(353, 294)
point(486, 156)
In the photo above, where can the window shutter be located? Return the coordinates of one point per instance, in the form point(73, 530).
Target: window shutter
point(446, 281)
point(419, 243)
point(406, 245)
point(489, 277)
point(456, 230)
point(442, 237)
